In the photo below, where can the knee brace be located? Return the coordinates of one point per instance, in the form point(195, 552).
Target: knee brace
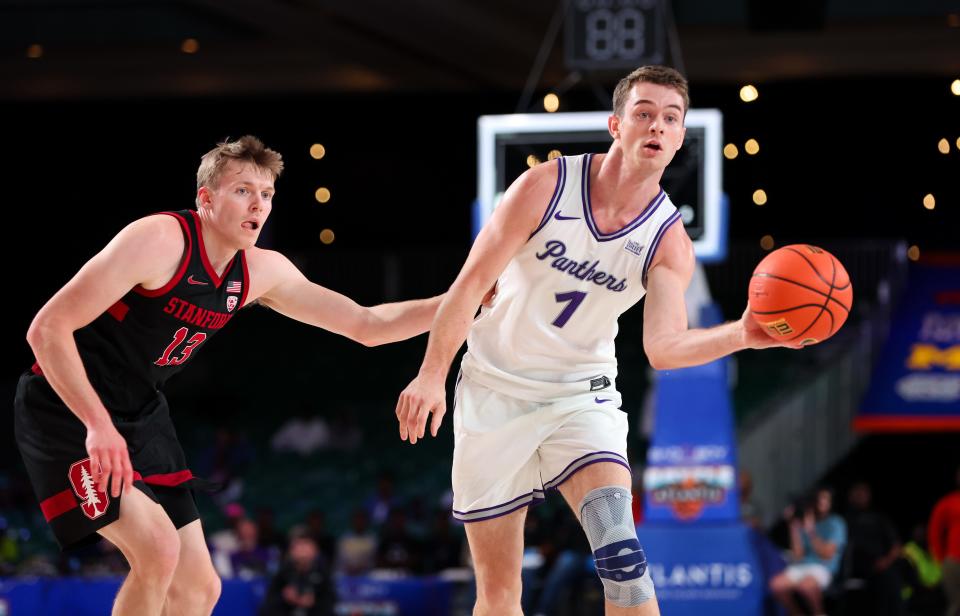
point(607, 518)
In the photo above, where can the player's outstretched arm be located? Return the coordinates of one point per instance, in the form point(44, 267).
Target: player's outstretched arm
point(278, 284)
point(666, 339)
point(145, 252)
point(508, 229)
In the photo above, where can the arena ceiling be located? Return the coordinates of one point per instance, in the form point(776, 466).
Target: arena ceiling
point(77, 49)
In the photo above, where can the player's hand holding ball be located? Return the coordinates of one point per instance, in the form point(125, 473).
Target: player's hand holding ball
point(799, 295)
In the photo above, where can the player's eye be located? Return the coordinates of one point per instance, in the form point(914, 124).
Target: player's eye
point(266, 195)
point(241, 191)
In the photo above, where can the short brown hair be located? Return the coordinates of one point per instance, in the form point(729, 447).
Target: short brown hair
point(246, 149)
point(660, 75)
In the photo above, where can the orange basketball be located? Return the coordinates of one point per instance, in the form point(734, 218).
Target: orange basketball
point(800, 294)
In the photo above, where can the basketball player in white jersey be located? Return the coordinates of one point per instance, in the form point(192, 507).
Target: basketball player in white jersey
point(572, 245)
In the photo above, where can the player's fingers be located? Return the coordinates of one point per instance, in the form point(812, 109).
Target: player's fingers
point(402, 406)
point(413, 421)
point(116, 480)
point(438, 414)
point(105, 468)
point(422, 420)
point(127, 471)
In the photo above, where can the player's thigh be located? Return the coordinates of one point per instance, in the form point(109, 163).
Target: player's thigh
point(496, 545)
point(143, 532)
point(589, 478)
point(195, 558)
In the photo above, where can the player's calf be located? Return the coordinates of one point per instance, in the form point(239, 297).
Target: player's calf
point(607, 518)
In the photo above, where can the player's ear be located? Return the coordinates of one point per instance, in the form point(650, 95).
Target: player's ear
point(203, 196)
point(613, 126)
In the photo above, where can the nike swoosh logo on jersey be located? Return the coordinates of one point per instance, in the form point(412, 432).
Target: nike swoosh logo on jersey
point(602, 400)
point(192, 280)
point(560, 216)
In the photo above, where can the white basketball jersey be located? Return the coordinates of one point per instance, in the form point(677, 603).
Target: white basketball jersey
point(550, 329)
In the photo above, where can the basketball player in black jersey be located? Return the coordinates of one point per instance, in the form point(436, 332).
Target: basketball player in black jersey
point(91, 421)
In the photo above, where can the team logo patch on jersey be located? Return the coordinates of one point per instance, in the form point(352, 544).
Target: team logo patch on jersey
point(634, 247)
point(93, 502)
point(231, 303)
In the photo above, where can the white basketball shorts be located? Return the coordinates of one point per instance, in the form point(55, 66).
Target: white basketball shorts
point(508, 451)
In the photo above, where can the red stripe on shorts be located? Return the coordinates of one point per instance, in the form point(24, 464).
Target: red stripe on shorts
point(58, 504)
point(169, 479)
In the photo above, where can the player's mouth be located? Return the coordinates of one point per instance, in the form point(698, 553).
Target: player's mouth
point(250, 225)
point(652, 146)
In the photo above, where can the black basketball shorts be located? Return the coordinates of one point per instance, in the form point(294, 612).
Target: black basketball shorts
point(52, 441)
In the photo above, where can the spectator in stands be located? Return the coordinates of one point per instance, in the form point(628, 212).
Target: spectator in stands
point(250, 559)
point(380, 503)
point(303, 586)
point(225, 462)
point(357, 548)
point(267, 534)
point(345, 433)
point(565, 560)
point(817, 540)
point(224, 542)
point(397, 550)
point(874, 548)
point(316, 527)
point(446, 546)
point(302, 435)
point(943, 537)
point(922, 575)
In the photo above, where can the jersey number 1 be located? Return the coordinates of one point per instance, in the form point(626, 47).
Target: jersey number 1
point(575, 298)
point(178, 338)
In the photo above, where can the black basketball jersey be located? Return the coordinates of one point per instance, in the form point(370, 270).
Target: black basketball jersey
point(131, 350)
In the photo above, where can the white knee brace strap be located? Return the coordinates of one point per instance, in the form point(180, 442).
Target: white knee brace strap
point(621, 564)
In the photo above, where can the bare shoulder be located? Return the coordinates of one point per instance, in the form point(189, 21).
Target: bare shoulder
point(675, 252)
point(157, 230)
point(267, 270)
point(530, 194)
point(537, 181)
point(154, 243)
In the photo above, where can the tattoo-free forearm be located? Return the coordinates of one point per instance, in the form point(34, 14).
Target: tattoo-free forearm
point(450, 329)
point(399, 320)
point(694, 347)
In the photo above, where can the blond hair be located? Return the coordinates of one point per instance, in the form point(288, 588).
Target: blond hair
point(246, 149)
point(660, 75)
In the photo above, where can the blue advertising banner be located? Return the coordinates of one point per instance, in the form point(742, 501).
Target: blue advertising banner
point(916, 383)
point(360, 596)
point(704, 569)
point(691, 464)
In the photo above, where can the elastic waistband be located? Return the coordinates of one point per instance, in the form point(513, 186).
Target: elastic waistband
point(530, 389)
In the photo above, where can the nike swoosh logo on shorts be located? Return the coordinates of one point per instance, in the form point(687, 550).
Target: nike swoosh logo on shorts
point(191, 280)
point(560, 216)
point(602, 400)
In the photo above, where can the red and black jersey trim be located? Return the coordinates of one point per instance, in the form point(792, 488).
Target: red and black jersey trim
point(183, 263)
point(246, 279)
point(217, 280)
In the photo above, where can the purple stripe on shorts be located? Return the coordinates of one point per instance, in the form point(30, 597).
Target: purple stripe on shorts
point(536, 498)
point(581, 462)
